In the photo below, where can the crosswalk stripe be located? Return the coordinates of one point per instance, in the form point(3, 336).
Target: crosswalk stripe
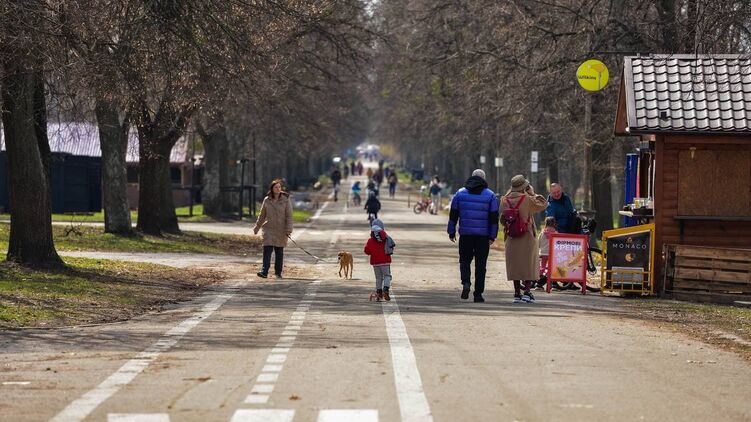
point(138, 417)
point(263, 415)
point(257, 399)
point(348, 415)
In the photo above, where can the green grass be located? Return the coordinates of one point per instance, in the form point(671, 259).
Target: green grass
point(91, 290)
point(86, 238)
point(183, 214)
point(298, 216)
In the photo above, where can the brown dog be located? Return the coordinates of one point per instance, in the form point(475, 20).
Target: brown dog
point(347, 264)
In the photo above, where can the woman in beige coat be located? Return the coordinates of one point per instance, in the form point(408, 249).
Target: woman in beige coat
point(275, 219)
point(522, 252)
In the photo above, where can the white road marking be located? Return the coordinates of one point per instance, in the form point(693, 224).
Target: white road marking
point(271, 377)
point(296, 235)
point(263, 388)
point(266, 381)
point(276, 358)
point(80, 408)
point(138, 417)
point(413, 405)
point(263, 415)
point(348, 415)
point(16, 382)
point(257, 399)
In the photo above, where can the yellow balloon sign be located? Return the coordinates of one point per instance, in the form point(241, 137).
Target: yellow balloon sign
point(592, 75)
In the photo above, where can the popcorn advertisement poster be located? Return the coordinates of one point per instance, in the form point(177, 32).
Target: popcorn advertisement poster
point(568, 254)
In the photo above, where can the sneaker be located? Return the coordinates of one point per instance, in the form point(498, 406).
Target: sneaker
point(526, 298)
point(517, 298)
point(465, 294)
point(386, 295)
point(379, 295)
point(531, 297)
point(278, 276)
point(262, 274)
point(478, 298)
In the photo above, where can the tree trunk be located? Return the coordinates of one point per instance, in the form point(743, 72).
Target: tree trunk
point(113, 139)
point(214, 148)
point(25, 128)
point(157, 137)
point(601, 189)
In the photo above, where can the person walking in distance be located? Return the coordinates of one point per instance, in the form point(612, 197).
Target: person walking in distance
point(518, 207)
point(393, 180)
point(275, 219)
point(474, 209)
point(435, 195)
point(336, 179)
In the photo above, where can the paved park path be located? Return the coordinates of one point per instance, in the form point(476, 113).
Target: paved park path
point(315, 348)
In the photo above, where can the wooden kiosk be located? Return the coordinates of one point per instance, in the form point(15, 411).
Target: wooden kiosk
point(693, 114)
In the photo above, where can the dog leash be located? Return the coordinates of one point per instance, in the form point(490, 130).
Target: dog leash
point(303, 249)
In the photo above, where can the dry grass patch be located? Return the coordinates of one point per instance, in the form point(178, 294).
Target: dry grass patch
point(93, 291)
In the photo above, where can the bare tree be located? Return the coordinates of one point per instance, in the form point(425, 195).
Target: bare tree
point(24, 117)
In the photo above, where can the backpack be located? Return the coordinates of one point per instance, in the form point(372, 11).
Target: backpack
point(513, 225)
point(389, 246)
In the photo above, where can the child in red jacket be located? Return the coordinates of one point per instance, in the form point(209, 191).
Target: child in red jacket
point(380, 247)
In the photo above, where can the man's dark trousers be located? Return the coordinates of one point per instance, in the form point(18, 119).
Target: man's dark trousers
point(476, 247)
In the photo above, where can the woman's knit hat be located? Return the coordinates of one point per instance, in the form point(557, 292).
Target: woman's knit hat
point(519, 183)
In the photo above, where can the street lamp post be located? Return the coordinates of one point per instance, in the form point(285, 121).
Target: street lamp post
point(498, 165)
point(242, 184)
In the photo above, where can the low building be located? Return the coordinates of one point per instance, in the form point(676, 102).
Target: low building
point(693, 115)
point(76, 170)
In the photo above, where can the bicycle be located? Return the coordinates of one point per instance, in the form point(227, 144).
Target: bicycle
point(423, 205)
point(594, 262)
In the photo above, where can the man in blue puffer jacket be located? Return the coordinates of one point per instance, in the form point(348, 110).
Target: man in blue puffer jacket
point(475, 209)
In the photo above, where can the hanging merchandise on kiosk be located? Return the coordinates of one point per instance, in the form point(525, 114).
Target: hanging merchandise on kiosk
point(629, 259)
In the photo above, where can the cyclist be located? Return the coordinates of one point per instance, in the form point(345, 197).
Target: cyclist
point(356, 193)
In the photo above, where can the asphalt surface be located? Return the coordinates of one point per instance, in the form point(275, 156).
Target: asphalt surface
point(316, 349)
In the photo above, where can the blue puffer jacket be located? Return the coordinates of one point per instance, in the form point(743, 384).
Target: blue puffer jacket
point(563, 211)
point(475, 208)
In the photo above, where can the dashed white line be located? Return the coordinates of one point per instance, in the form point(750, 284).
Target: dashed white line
point(348, 415)
point(138, 417)
point(270, 377)
point(263, 415)
point(80, 408)
point(262, 389)
point(281, 358)
point(265, 382)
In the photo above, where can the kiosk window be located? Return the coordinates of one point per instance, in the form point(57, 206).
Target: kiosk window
point(714, 183)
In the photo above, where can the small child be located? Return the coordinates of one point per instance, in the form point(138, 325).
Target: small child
point(550, 228)
point(380, 246)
